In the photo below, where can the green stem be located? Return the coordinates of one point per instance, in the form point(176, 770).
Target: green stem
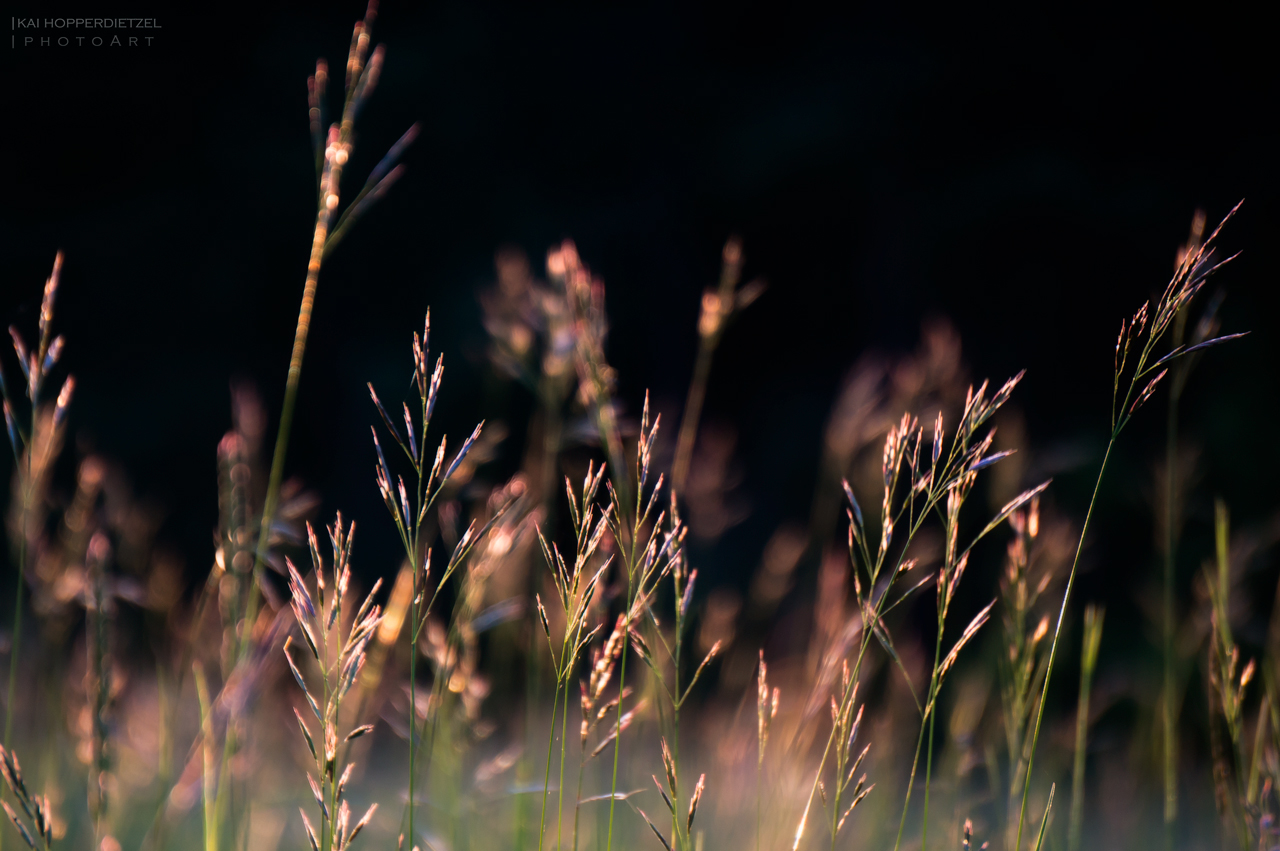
point(1089, 651)
point(675, 760)
point(222, 801)
point(1170, 553)
point(835, 800)
point(915, 761)
point(622, 681)
point(1057, 632)
point(1170, 744)
point(675, 739)
point(617, 743)
point(206, 747)
point(532, 670)
point(413, 697)
point(564, 733)
point(546, 780)
point(326, 779)
point(324, 216)
point(577, 805)
point(928, 756)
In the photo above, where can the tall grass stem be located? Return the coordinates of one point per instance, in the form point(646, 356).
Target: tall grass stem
point(1057, 633)
point(1093, 617)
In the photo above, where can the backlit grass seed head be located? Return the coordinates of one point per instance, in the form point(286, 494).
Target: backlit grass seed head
point(766, 708)
point(969, 632)
point(693, 801)
point(317, 618)
point(36, 364)
point(621, 726)
point(11, 426)
point(39, 834)
point(603, 661)
point(20, 349)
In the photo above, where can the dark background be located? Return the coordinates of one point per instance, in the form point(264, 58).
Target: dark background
point(1027, 175)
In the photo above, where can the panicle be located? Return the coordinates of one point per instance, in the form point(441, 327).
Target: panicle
point(64, 401)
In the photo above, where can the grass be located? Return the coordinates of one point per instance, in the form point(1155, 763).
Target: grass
point(340, 660)
point(432, 691)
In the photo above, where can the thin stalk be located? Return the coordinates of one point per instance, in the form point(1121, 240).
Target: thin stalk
point(326, 780)
point(222, 800)
point(154, 838)
point(622, 679)
point(835, 801)
point(1259, 743)
point(1169, 754)
point(675, 760)
point(550, 451)
point(928, 756)
point(413, 691)
point(577, 805)
point(330, 185)
point(715, 314)
point(826, 752)
point(910, 782)
point(206, 746)
point(617, 741)
point(915, 761)
point(675, 741)
point(435, 702)
point(863, 643)
point(1170, 551)
point(564, 733)
point(286, 413)
point(546, 780)
point(692, 413)
point(1088, 661)
point(532, 670)
point(1057, 631)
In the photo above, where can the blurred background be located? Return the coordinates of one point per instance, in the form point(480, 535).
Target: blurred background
point(1025, 177)
point(995, 190)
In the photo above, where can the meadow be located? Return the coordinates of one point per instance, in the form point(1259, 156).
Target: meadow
point(912, 667)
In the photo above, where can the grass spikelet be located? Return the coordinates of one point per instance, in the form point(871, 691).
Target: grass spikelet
point(38, 832)
point(575, 585)
point(338, 669)
point(34, 449)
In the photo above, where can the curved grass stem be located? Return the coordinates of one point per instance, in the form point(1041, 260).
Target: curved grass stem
point(1057, 633)
point(564, 733)
point(546, 780)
